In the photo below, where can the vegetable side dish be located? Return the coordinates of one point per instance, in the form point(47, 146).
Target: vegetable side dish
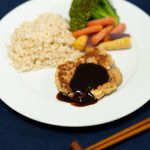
point(84, 10)
point(102, 34)
point(96, 25)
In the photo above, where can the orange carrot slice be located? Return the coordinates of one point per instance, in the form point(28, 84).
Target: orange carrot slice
point(99, 36)
point(107, 38)
point(120, 28)
point(87, 30)
point(104, 21)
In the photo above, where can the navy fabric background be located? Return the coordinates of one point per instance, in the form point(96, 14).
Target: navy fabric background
point(20, 133)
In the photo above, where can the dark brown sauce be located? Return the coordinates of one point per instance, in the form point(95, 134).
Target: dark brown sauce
point(76, 100)
point(86, 77)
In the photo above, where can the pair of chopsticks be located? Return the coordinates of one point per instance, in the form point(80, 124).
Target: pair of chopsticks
point(116, 138)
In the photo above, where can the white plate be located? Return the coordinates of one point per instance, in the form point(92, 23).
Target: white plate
point(33, 94)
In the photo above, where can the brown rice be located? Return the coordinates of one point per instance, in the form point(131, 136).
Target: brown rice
point(45, 42)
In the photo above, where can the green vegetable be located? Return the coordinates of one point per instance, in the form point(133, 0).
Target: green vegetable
point(105, 9)
point(83, 11)
point(80, 13)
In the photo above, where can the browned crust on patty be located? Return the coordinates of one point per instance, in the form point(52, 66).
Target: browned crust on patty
point(66, 71)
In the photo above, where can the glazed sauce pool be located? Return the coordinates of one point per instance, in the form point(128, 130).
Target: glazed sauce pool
point(77, 100)
point(86, 77)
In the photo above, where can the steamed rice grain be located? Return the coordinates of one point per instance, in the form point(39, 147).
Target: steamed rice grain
point(45, 42)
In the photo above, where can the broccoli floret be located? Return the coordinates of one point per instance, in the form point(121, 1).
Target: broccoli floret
point(80, 13)
point(105, 9)
point(84, 10)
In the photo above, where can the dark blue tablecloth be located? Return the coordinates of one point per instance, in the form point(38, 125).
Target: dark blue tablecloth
point(20, 133)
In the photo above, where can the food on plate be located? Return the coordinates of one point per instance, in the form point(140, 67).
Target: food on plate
point(88, 79)
point(100, 35)
point(123, 43)
point(105, 9)
point(83, 11)
point(47, 41)
point(89, 45)
point(87, 30)
point(80, 42)
point(110, 36)
point(115, 36)
point(97, 20)
point(78, 48)
point(44, 42)
point(120, 28)
point(103, 22)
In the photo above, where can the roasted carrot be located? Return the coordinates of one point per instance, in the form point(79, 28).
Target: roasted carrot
point(107, 38)
point(123, 43)
point(99, 36)
point(104, 21)
point(89, 45)
point(114, 36)
point(120, 28)
point(87, 30)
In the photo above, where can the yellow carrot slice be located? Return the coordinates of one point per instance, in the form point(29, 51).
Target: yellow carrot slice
point(123, 43)
point(80, 42)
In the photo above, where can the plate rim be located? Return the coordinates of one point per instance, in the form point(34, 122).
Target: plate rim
point(5, 101)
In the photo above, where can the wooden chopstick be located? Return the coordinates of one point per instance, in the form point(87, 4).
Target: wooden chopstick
point(121, 138)
point(75, 145)
point(118, 137)
point(122, 135)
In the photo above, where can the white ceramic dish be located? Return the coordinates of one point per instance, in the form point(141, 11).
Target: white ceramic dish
point(33, 94)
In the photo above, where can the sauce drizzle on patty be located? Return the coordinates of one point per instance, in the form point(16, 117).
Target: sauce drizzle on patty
point(86, 77)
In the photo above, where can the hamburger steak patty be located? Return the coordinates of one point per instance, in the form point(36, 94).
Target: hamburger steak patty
point(66, 72)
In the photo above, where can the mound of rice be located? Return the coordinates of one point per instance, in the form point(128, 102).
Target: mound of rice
point(45, 42)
